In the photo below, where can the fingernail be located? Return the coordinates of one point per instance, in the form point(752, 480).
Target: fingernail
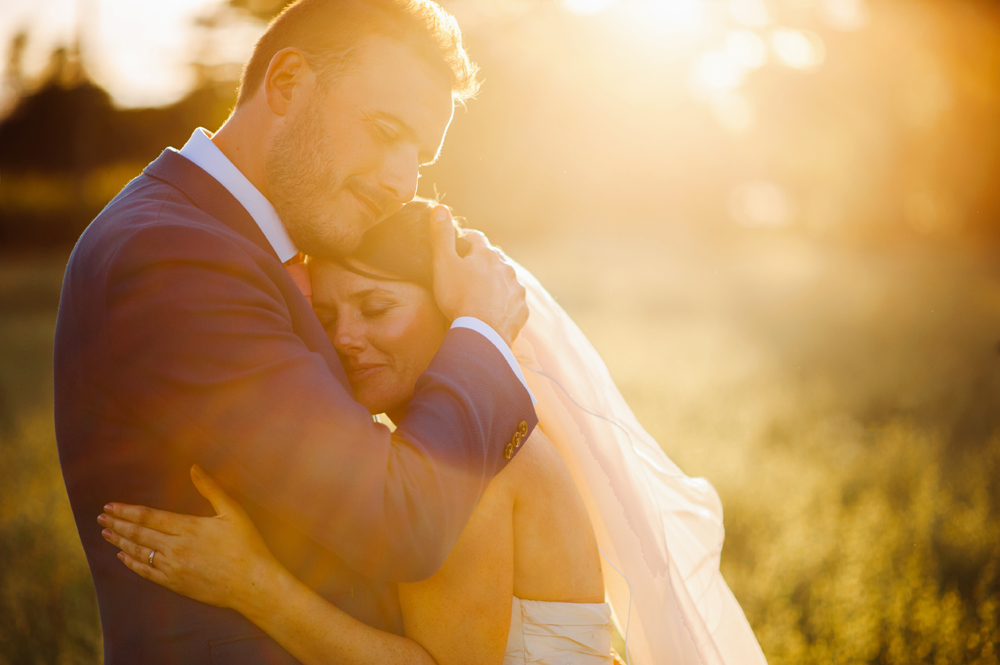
point(106, 533)
point(121, 556)
point(107, 507)
point(440, 214)
point(102, 519)
point(198, 471)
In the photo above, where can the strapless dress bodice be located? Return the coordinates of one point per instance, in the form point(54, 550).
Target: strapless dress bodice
point(548, 633)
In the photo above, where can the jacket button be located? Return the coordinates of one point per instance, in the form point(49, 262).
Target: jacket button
point(508, 451)
point(516, 439)
point(523, 428)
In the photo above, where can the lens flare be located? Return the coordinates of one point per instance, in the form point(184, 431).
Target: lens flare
point(587, 7)
point(844, 15)
point(751, 13)
point(798, 49)
point(746, 48)
point(718, 71)
point(733, 112)
point(760, 203)
point(665, 15)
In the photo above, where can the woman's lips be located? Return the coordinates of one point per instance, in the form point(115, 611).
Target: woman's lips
point(361, 371)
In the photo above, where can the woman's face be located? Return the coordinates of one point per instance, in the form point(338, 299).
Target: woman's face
point(385, 332)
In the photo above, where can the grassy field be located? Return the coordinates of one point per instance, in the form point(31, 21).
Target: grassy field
point(48, 609)
point(845, 404)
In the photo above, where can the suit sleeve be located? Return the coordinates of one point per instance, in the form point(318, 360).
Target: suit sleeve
point(204, 351)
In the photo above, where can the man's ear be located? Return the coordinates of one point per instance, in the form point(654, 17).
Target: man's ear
point(287, 75)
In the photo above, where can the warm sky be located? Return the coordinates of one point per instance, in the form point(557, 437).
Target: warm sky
point(137, 49)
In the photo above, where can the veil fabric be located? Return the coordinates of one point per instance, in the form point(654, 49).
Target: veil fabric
point(660, 530)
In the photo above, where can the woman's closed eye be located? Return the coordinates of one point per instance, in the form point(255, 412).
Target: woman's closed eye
point(376, 309)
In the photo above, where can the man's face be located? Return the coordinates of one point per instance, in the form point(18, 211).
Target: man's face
point(349, 156)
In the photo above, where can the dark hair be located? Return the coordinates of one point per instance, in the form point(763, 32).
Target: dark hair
point(328, 31)
point(401, 246)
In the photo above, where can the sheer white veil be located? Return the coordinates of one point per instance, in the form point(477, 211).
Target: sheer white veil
point(660, 531)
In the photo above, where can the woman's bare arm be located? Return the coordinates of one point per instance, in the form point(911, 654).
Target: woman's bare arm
point(317, 633)
point(223, 561)
point(462, 613)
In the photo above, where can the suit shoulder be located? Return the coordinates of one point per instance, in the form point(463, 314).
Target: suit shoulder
point(151, 220)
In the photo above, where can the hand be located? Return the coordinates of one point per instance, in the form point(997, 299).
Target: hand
point(219, 560)
point(481, 284)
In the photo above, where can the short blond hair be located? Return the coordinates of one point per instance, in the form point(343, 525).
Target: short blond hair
point(328, 31)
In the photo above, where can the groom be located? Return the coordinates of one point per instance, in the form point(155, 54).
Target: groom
point(182, 337)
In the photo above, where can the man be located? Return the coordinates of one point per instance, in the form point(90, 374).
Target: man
point(182, 338)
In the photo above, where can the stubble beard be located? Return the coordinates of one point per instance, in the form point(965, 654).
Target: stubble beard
point(301, 176)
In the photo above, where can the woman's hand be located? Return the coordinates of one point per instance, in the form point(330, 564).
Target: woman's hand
point(219, 560)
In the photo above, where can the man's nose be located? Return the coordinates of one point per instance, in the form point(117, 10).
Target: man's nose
point(399, 177)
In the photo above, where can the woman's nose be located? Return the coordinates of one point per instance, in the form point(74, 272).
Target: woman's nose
point(348, 337)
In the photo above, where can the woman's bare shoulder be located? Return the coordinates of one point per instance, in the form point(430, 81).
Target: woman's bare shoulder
point(536, 460)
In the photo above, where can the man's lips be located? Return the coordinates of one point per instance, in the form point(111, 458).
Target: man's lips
point(373, 208)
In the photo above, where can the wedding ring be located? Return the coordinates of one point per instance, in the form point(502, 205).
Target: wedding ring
point(151, 555)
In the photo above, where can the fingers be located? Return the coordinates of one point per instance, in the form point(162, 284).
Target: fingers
point(129, 547)
point(211, 490)
point(476, 238)
point(143, 569)
point(161, 520)
point(479, 244)
point(520, 317)
point(443, 234)
point(134, 533)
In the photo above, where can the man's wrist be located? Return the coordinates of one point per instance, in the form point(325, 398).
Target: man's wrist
point(497, 341)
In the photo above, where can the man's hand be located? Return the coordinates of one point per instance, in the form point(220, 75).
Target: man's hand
point(481, 284)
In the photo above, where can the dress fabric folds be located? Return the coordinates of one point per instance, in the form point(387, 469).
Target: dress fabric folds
point(659, 530)
point(547, 633)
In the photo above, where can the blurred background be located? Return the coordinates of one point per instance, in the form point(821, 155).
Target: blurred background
point(778, 221)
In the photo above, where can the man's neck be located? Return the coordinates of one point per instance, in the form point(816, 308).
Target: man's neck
point(242, 144)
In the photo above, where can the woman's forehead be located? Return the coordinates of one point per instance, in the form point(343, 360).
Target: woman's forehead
point(331, 280)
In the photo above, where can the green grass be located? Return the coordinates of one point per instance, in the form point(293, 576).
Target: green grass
point(844, 403)
point(48, 609)
point(846, 406)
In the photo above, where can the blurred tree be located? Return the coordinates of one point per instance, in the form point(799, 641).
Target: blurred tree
point(60, 141)
point(13, 78)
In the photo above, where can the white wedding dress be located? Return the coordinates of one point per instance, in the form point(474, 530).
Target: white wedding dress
point(659, 531)
point(544, 633)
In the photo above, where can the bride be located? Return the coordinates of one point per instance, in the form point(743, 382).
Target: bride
point(590, 509)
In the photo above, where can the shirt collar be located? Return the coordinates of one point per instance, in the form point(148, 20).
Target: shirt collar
point(204, 153)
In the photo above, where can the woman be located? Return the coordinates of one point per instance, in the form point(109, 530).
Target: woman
point(527, 561)
point(659, 531)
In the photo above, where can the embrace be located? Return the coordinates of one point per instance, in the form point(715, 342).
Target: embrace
point(318, 422)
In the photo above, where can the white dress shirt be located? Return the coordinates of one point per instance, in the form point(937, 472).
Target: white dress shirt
point(204, 153)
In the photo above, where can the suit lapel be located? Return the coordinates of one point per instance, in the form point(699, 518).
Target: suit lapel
point(211, 197)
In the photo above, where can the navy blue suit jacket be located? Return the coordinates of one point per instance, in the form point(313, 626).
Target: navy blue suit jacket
point(181, 338)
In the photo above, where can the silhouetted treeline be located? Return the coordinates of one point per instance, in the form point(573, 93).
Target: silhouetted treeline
point(74, 130)
point(71, 139)
point(585, 122)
